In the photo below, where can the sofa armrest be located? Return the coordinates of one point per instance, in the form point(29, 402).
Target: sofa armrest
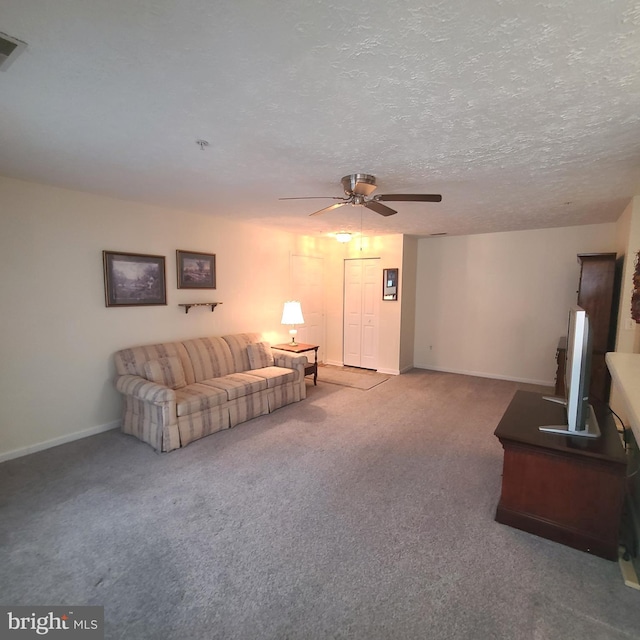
point(144, 390)
point(289, 360)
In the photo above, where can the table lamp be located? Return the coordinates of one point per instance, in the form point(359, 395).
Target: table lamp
point(292, 315)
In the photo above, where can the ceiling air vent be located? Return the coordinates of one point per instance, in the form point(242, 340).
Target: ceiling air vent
point(10, 49)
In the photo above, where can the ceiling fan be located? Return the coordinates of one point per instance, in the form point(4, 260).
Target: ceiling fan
point(359, 186)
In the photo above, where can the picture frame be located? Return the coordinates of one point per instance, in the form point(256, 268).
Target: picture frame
point(635, 294)
point(134, 279)
point(196, 270)
point(390, 284)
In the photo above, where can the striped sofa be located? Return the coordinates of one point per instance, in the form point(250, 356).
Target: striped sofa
point(177, 392)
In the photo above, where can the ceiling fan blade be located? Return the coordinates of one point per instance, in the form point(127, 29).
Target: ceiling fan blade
point(314, 198)
point(409, 197)
point(333, 206)
point(382, 209)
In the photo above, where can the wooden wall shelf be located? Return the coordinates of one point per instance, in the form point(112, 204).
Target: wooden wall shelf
point(188, 306)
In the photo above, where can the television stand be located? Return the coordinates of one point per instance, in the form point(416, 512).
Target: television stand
point(568, 489)
point(591, 429)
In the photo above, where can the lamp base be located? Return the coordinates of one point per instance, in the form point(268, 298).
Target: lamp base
point(293, 333)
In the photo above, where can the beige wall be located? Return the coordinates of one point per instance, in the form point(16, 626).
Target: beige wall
point(496, 304)
point(58, 337)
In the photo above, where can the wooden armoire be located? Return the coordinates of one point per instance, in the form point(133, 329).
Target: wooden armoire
point(597, 296)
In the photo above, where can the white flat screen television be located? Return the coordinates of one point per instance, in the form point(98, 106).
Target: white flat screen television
point(581, 419)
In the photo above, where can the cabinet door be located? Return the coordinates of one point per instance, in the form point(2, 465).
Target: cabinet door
point(595, 295)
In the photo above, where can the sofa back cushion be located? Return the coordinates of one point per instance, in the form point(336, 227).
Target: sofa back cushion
point(210, 358)
point(260, 355)
point(201, 358)
point(166, 371)
point(238, 343)
point(132, 361)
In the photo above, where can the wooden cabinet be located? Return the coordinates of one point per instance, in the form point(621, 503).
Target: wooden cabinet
point(597, 296)
point(561, 362)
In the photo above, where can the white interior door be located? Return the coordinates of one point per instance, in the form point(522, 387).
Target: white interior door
point(362, 282)
point(352, 312)
point(308, 287)
point(371, 292)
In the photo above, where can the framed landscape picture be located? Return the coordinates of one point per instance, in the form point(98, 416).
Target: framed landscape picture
point(134, 279)
point(196, 270)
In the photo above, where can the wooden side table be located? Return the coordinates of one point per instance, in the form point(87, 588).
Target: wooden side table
point(312, 367)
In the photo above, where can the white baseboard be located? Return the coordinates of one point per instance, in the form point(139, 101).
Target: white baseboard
point(391, 372)
point(334, 363)
point(482, 374)
point(54, 442)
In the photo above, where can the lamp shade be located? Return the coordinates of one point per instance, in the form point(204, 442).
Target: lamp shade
point(292, 313)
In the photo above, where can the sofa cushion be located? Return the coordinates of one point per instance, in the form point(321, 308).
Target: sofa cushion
point(238, 343)
point(260, 355)
point(237, 385)
point(210, 357)
point(198, 397)
point(131, 361)
point(166, 371)
point(274, 376)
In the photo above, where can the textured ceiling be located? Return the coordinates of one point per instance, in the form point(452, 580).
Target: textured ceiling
point(522, 114)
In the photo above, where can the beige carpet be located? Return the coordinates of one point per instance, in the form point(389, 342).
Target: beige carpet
point(349, 515)
point(351, 377)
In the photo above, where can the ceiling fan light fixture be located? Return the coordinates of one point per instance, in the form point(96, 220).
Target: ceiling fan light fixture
point(359, 184)
point(343, 236)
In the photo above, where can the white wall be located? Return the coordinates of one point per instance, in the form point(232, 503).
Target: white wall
point(408, 273)
point(56, 371)
point(496, 304)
